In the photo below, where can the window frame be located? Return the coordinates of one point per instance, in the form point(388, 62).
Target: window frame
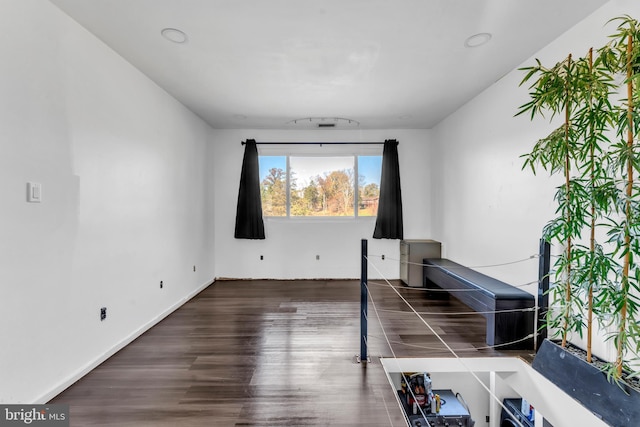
point(288, 151)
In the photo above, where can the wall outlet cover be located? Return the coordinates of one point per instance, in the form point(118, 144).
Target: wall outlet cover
point(34, 192)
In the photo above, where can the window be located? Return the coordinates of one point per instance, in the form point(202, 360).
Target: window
point(320, 186)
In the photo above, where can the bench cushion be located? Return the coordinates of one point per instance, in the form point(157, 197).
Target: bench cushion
point(489, 286)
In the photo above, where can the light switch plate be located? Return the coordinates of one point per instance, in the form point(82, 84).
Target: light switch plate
point(34, 192)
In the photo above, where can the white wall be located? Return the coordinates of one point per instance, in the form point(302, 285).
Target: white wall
point(122, 167)
point(486, 210)
point(291, 246)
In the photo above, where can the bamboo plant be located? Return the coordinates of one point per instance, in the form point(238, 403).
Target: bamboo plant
point(623, 57)
point(557, 91)
point(592, 121)
point(599, 283)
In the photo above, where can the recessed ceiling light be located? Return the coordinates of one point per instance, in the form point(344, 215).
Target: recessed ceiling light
point(174, 35)
point(477, 40)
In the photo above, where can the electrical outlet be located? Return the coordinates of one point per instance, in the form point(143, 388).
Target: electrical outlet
point(34, 192)
point(317, 257)
point(103, 313)
point(261, 257)
point(383, 257)
point(161, 284)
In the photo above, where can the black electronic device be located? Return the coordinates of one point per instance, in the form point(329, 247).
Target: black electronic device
point(514, 407)
point(452, 413)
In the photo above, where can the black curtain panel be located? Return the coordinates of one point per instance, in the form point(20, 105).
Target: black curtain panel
point(249, 224)
point(389, 220)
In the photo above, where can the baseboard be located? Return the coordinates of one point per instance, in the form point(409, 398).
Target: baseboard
point(46, 397)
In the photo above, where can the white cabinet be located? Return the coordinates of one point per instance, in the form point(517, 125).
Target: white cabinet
point(412, 251)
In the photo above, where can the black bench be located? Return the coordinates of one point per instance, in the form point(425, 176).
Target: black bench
point(486, 294)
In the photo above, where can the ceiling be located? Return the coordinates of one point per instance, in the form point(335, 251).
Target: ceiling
point(380, 63)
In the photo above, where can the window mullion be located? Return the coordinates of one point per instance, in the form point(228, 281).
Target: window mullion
point(356, 200)
point(288, 184)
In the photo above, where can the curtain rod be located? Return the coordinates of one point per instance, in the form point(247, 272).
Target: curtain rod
point(315, 143)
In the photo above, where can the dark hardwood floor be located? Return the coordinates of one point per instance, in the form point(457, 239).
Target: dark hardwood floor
point(270, 353)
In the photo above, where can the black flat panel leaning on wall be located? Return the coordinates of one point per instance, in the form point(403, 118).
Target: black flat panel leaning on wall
point(543, 289)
